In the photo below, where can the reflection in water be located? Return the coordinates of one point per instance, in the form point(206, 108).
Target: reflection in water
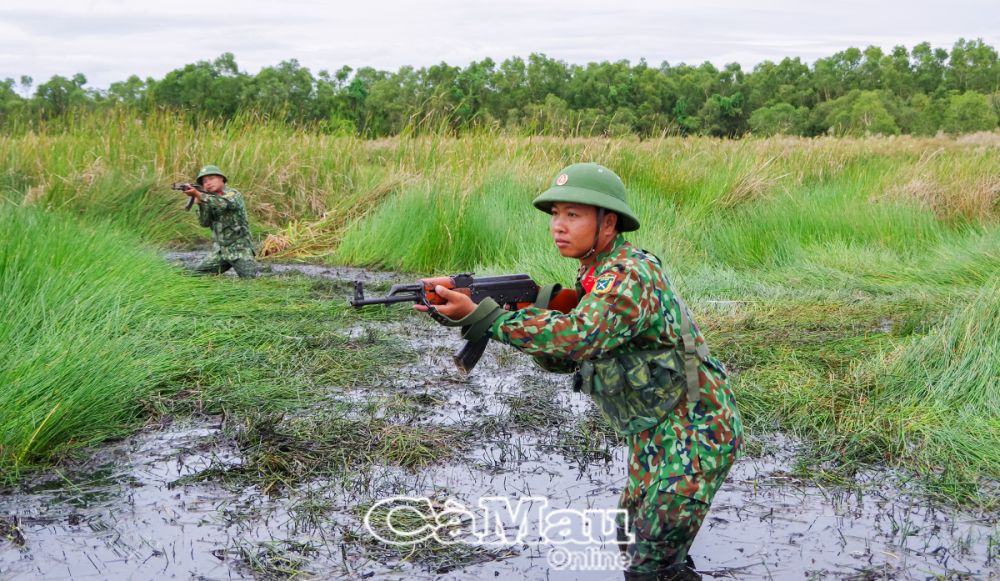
point(119, 516)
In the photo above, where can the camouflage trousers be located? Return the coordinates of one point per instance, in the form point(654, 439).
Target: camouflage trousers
point(662, 528)
point(246, 267)
point(663, 518)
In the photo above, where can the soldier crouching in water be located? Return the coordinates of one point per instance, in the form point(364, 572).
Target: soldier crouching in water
point(222, 209)
point(636, 350)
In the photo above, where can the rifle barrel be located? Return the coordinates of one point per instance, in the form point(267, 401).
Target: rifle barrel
point(355, 302)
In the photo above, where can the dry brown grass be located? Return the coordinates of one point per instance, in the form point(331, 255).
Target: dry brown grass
point(33, 195)
point(984, 138)
point(976, 201)
point(752, 184)
point(954, 187)
point(273, 244)
point(314, 238)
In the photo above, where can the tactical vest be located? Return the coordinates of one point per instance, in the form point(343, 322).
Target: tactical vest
point(637, 390)
point(232, 228)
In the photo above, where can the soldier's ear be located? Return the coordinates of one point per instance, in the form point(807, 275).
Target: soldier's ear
point(610, 221)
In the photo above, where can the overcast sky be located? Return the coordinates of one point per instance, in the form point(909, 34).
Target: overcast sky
point(108, 41)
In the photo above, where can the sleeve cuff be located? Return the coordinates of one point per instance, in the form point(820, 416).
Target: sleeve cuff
point(476, 324)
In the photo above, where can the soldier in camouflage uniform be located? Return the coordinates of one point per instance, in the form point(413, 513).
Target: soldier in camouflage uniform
point(636, 350)
point(223, 210)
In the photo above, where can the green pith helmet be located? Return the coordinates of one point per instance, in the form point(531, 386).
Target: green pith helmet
point(591, 184)
point(210, 170)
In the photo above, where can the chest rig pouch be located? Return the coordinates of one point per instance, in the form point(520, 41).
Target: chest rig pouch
point(637, 390)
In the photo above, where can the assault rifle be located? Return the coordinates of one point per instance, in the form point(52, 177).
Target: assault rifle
point(184, 186)
point(511, 291)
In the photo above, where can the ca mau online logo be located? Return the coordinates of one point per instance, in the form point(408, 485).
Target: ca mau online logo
point(499, 521)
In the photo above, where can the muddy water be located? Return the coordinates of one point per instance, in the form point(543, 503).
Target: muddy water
point(342, 273)
point(118, 516)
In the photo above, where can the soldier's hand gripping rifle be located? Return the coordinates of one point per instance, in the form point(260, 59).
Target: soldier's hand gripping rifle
point(183, 187)
point(512, 291)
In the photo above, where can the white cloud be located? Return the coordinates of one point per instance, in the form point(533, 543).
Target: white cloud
point(108, 40)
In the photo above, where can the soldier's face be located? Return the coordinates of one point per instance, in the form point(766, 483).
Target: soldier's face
point(573, 227)
point(213, 184)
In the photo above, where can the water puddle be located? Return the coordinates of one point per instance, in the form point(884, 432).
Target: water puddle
point(122, 514)
point(338, 273)
point(117, 516)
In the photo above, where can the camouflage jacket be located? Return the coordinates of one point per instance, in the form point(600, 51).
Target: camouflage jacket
point(226, 215)
point(633, 310)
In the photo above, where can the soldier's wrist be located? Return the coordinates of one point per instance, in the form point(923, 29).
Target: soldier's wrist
point(477, 324)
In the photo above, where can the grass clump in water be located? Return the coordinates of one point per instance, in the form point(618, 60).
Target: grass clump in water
point(405, 525)
point(937, 399)
point(873, 382)
point(103, 334)
point(280, 451)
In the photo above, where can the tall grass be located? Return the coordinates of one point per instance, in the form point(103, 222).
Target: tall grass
point(100, 334)
point(951, 375)
point(83, 331)
point(471, 227)
point(318, 188)
point(856, 276)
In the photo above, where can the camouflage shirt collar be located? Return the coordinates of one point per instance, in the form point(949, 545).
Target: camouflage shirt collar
point(616, 246)
point(602, 257)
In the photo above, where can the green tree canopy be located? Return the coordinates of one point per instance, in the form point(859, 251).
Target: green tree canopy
point(969, 112)
point(857, 91)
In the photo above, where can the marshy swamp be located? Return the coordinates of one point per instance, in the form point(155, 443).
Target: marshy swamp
point(157, 424)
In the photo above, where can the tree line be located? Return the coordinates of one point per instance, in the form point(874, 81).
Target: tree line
point(854, 92)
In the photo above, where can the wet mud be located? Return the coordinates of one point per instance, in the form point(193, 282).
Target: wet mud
point(190, 259)
point(144, 508)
